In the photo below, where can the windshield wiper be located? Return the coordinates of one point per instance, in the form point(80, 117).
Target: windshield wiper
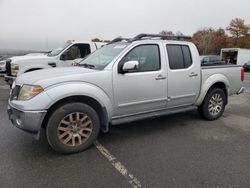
point(49, 53)
point(90, 66)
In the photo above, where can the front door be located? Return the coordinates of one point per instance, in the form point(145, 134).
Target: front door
point(184, 75)
point(145, 89)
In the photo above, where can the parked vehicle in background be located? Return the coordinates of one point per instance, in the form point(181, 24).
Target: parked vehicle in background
point(126, 80)
point(237, 56)
point(60, 57)
point(2, 64)
point(208, 60)
point(2, 57)
point(36, 53)
point(246, 66)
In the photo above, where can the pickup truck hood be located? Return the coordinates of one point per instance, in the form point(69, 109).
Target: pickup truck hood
point(47, 77)
point(28, 57)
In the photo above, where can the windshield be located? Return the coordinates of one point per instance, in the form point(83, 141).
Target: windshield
point(102, 57)
point(57, 51)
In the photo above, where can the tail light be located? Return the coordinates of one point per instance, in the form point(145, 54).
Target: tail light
point(242, 74)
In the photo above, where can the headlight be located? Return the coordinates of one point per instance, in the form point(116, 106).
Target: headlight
point(14, 69)
point(2, 62)
point(29, 91)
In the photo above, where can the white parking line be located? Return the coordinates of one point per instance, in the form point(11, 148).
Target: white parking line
point(132, 180)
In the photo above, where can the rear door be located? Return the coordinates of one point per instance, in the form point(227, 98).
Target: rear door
point(184, 75)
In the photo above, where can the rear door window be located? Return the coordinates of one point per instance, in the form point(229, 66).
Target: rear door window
point(179, 56)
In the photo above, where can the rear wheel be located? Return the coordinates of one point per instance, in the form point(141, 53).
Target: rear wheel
point(213, 105)
point(72, 128)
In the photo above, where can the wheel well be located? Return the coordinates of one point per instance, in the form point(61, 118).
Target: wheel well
point(101, 111)
point(32, 70)
point(222, 86)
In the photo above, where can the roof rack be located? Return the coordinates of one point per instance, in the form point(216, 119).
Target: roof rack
point(150, 36)
point(119, 39)
point(163, 37)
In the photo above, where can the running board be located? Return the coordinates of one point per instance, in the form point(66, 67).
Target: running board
point(152, 114)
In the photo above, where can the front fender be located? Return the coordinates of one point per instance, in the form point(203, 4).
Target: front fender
point(61, 91)
point(208, 83)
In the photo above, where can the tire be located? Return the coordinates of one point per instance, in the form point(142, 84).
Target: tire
point(72, 128)
point(213, 105)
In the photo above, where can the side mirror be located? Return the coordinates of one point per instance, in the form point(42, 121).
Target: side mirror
point(130, 66)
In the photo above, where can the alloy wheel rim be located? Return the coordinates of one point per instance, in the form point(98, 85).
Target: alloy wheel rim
point(215, 104)
point(74, 129)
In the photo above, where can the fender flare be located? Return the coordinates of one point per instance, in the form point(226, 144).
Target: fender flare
point(212, 80)
point(63, 91)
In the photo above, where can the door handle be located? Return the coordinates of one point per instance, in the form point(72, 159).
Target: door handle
point(160, 77)
point(52, 64)
point(192, 74)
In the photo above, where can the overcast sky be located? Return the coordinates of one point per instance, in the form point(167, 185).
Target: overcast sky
point(28, 24)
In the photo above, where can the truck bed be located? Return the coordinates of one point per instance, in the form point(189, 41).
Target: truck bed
point(230, 73)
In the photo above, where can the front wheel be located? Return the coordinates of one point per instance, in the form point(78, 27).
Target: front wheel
point(213, 105)
point(72, 128)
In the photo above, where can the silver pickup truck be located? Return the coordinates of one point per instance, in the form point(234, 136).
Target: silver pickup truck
point(127, 80)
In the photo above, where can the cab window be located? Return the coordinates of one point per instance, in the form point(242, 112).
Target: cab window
point(148, 57)
point(76, 51)
point(179, 56)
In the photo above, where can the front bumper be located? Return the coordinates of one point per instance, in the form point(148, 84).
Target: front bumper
point(9, 79)
point(29, 121)
point(2, 70)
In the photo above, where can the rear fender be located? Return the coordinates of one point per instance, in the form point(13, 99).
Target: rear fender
point(212, 80)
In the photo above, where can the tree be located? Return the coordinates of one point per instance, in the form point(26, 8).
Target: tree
point(179, 33)
point(240, 33)
point(166, 32)
point(96, 40)
point(237, 28)
point(210, 41)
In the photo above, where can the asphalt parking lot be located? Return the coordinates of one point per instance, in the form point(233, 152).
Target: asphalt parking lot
point(180, 150)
